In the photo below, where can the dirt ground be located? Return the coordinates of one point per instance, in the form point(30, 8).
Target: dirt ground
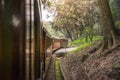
point(96, 66)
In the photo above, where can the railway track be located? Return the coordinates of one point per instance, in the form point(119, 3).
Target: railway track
point(51, 70)
point(54, 70)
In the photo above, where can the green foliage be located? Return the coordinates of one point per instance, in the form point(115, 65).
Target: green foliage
point(73, 17)
point(95, 38)
point(47, 62)
point(82, 46)
point(57, 70)
point(52, 32)
point(81, 41)
point(77, 42)
point(117, 24)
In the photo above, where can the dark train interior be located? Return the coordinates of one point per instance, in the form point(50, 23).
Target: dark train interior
point(23, 41)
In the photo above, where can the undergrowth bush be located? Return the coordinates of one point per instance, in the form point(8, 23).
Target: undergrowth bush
point(81, 43)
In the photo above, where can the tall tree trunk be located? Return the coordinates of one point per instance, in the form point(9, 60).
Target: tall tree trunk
point(108, 25)
point(69, 33)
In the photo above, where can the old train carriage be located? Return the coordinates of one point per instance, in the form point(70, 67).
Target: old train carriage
point(23, 42)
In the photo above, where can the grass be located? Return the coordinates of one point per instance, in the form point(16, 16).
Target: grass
point(47, 62)
point(81, 47)
point(58, 73)
point(83, 40)
point(77, 42)
point(81, 43)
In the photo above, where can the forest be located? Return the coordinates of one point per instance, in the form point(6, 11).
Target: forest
point(86, 19)
point(93, 26)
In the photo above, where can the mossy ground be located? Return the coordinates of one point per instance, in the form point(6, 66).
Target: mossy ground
point(58, 72)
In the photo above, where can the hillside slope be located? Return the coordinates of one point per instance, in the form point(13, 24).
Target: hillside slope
point(95, 66)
